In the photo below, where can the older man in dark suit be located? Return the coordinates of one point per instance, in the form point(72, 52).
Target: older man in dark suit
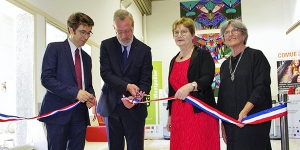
point(126, 68)
point(66, 75)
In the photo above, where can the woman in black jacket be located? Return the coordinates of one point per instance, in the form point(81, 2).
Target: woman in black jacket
point(191, 73)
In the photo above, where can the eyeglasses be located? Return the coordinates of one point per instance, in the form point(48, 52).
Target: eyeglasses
point(120, 32)
point(182, 32)
point(84, 33)
point(233, 31)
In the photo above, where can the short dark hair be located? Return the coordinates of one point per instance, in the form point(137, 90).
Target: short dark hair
point(79, 18)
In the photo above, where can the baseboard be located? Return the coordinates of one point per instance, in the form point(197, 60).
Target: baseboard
point(25, 147)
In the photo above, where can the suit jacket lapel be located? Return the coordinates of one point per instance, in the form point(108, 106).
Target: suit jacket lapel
point(172, 63)
point(194, 56)
point(117, 51)
point(85, 70)
point(69, 57)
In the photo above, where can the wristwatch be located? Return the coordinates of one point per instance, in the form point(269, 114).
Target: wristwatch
point(193, 85)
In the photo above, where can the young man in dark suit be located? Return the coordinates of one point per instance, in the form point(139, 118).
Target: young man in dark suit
point(126, 68)
point(66, 75)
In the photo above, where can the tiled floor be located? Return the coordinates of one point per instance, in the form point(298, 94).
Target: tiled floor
point(294, 144)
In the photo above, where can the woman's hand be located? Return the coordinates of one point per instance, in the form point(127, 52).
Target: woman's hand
point(169, 124)
point(241, 116)
point(244, 113)
point(223, 133)
point(183, 92)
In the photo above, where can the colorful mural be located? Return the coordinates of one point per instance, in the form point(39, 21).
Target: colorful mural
point(209, 15)
point(213, 43)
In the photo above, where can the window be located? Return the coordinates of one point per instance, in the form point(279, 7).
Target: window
point(54, 34)
point(17, 72)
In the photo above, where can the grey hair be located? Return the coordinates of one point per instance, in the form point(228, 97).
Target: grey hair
point(121, 14)
point(236, 24)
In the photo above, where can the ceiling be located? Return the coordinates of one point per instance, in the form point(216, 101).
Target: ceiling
point(145, 6)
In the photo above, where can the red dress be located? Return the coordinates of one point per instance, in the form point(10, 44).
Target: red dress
point(189, 130)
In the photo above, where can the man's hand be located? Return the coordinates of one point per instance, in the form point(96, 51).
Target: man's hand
point(127, 103)
point(140, 95)
point(90, 103)
point(132, 89)
point(84, 96)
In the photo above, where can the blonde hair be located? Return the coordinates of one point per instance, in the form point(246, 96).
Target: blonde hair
point(187, 22)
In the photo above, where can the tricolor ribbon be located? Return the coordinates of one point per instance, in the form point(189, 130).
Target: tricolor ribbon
point(262, 116)
point(6, 118)
point(259, 117)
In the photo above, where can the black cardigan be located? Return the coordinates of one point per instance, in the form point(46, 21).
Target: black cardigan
point(201, 70)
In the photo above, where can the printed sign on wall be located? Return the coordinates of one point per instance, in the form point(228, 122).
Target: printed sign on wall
point(288, 73)
point(154, 127)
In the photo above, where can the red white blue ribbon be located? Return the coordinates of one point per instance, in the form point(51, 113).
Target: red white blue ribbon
point(6, 118)
point(262, 116)
point(266, 115)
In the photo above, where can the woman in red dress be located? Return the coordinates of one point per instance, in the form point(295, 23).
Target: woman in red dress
point(191, 73)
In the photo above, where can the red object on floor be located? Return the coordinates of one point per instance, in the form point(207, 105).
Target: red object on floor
point(97, 133)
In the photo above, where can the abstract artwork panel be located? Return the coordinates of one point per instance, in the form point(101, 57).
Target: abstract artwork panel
point(208, 15)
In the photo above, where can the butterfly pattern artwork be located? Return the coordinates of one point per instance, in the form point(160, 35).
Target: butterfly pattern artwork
point(209, 15)
point(231, 4)
point(213, 43)
point(189, 7)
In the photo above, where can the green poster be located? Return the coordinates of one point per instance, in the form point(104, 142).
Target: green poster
point(153, 110)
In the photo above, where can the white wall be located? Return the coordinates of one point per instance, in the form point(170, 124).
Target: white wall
point(291, 17)
point(101, 11)
point(264, 20)
point(266, 31)
point(292, 13)
point(267, 22)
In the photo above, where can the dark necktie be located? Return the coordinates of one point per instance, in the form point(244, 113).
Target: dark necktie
point(78, 69)
point(124, 54)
